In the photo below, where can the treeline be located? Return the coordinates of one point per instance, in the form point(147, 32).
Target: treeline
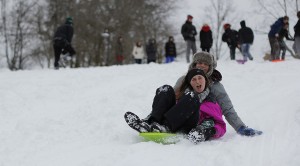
point(27, 28)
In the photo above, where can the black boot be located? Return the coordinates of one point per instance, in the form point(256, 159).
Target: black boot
point(197, 135)
point(135, 123)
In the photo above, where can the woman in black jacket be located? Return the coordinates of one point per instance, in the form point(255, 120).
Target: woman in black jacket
point(205, 37)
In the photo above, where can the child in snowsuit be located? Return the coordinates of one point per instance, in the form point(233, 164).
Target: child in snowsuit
point(195, 113)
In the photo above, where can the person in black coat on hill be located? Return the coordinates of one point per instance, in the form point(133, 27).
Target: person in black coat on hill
point(296, 45)
point(246, 38)
point(188, 31)
point(231, 37)
point(62, 41)
point(151, 50)
point(170, 50)
point(206, 39)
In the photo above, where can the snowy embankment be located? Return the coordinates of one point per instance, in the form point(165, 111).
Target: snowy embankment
point(75, 116)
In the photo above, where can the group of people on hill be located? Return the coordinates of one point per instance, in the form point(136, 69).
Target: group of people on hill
point(241, 39)
point(194, 106)
point(151, 50)
point(279, 31)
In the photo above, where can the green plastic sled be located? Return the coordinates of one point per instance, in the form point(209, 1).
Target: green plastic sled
point(164, 138)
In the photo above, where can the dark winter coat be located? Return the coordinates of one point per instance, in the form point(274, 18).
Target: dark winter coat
point(188, 31)
point(297, 29)
point(276, 27)
point(231, 37)
point(284, 33)
point(170, 49)
point(64, 32)
point(245, 34)
point(205, 37)
point(151, 49)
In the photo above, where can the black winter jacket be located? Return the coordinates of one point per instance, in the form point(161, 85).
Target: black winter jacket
point(151, 49)
point(205, 37)
point(297, 29)
point(170, 49)
point(188, 31)
point(245, 34)
point(231, 37)
point(64, 31)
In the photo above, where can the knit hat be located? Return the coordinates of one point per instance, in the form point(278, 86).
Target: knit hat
point(190, 17)
point(69, 20)
point(195, 72)
point(204, 57)
point(226, 26)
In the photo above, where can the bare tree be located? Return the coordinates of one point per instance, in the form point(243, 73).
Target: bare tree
point(17, 33)
point(219, 12)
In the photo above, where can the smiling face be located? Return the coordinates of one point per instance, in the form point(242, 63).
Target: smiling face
point(202, 66)
point(198, 83)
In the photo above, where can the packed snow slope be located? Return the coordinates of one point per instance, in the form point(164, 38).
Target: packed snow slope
point(74, 117)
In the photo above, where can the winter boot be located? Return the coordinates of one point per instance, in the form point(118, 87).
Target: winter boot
point(197, 135)
point(156, 127)
point(134, 122)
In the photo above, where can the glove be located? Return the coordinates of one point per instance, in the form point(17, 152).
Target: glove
point(246, 131)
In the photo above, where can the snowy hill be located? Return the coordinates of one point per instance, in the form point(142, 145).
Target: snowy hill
point(74, 117)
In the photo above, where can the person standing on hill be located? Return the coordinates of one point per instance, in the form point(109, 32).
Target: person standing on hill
point(206, 39)
point(246, 38)
point(170, 50)
point(62, 41)
point(188, 31)
point(138, 52)
point(296, 45)
point(151, 50)
point(273, 36)
point(119, 51)
point(231, 37)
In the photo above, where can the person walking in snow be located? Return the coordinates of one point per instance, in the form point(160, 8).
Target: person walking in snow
point(231, 37)
point(119, 51)
point(206, 39)
point(170, 50)
point(273, 36)
point(207, 63)
point(296, 45)
point(195, 113)
point(189, 32)
point(138, 52)
point(284, 33)
point(151, 51)
point(246, 38)
point(62, 41)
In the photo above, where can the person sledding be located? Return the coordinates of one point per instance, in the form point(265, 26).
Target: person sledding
point(194, 111)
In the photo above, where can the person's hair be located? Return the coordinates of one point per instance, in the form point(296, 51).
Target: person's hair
point(285, 18)
point(298, 14)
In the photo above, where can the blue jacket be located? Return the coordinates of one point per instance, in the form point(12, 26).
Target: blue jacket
point(276, 27)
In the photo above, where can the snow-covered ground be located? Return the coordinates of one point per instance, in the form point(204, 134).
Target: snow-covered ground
point(74, 117)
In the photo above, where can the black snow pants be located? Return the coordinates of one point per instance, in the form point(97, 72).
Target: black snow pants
point(62, 46)
point(181, 116)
